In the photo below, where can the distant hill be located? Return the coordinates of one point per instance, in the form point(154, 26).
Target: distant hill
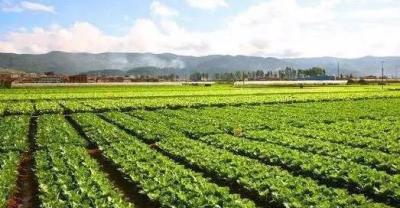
point(368, 65)
point(147, 63)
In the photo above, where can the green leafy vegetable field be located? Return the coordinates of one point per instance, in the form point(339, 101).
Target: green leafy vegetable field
point(188, 146)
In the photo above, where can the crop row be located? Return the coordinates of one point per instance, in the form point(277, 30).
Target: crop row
point(376, 159)
point(106, 105)
point(199, 126)
point(160, 178)
point(54, 130)
point(13, 142)
point(304, 114)
point(116, 92)
point(67, 176)
point(315, 112)
point(13, 132)
point(27, 107)
point(293, 119)
point(48, 107)
point(386, 129)
point(148, 131)
point(2, 108)
point(325, 168)
point(350, 140)
point(330, 169)
point(188, 127)
point(13, 108)
point(272, 185)
point(311, 125)
point(8, 175)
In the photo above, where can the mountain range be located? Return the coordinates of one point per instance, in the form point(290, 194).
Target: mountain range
point(148, 63)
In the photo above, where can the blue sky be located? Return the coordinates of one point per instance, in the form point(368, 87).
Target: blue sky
point(281, 28)
point(114, 17)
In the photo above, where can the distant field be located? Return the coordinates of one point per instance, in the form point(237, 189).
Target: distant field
point(196, 146)
point(102, 84)
point(294, 83)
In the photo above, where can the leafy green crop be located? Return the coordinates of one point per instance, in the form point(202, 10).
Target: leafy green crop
point(321, 167)
point(13, 142)
point(106, 101)
point(375, 159)
point(13, 133)
point(67, 176)
point(271, 183)
point(226, 165)
point(285, 147)
point(8, 175)
point(159, 177)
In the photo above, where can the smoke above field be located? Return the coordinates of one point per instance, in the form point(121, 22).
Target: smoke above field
point(154, 61)
point(118, 61)
point(125, 61)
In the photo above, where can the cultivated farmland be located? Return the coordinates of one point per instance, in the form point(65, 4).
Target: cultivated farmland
point(194, 146)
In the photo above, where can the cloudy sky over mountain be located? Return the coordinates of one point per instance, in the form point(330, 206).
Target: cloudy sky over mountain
point(280, 28)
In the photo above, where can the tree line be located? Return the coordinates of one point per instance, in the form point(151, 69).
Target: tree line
point(284, 74)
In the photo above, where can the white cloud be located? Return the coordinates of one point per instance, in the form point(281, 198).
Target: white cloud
point(8, 6)
point(37, 7)
point(79, 37)
point(207, 4)
point(282, 28)
point(376, 15)
point(159, 9)
point(144, 36)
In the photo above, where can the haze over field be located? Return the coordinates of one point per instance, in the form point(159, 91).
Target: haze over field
point(153, 64)
point(258, 28)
